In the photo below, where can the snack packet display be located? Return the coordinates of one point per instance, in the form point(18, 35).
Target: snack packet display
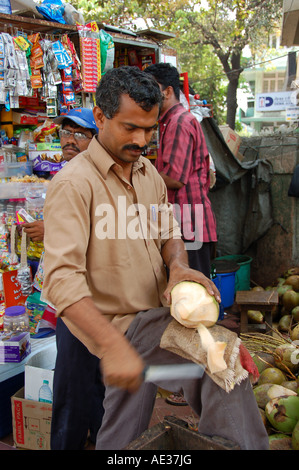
point(48, 128)
point(90, 49)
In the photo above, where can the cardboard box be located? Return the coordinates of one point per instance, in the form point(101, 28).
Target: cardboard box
point(19, 118)
point(14, 347)
point(31, 422)
point(232, 139)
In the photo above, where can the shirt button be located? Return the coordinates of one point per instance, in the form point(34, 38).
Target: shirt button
point(128, 187)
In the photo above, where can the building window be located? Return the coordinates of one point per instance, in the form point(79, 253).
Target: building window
point(273, 81)
point(274, 41)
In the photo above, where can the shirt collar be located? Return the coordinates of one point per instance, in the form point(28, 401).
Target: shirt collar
point(170, 112)
point(104, 162)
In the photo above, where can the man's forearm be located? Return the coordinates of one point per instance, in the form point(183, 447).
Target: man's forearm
point(87, 323)
point(175, 257)
point(121, 365)
point(174, 253)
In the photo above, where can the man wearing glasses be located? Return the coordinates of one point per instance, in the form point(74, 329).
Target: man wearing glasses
point(77, 372)
point(77, 129)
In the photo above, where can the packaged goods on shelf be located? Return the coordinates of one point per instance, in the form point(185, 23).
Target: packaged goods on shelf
point(33, 67)
point(14, 347)
point(90, 49)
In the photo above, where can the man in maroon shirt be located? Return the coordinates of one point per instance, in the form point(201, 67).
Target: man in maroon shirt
point(183, 163)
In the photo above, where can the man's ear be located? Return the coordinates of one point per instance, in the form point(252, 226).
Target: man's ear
point(99, 117)
point(168, 92)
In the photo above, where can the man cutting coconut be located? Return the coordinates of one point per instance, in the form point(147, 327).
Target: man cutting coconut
point(105, 270)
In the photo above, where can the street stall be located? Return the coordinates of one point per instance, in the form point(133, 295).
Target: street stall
point(46, 69)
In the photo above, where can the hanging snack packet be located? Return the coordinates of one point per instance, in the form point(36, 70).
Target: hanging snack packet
point(63, 58)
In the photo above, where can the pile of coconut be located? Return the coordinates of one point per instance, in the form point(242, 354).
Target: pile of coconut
point(277, 358)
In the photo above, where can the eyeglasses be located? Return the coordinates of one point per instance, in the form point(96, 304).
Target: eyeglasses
point(64, 133)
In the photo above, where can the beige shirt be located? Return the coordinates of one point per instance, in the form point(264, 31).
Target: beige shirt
point(103, 236)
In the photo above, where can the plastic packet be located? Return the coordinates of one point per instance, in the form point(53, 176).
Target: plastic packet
point(107, 51)
point(52, 10)
point(63, 58)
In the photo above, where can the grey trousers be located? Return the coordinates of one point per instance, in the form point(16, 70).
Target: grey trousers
point(234, 416)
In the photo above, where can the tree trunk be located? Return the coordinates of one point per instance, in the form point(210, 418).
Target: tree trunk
point(231, 102)
point(231, 97)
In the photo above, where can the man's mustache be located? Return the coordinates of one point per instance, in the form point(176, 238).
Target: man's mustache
point(71, 146)
point(135, 147)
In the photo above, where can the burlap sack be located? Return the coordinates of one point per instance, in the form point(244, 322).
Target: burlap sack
point(186, 343)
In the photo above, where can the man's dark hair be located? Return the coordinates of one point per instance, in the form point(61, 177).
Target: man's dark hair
point(166, 75)
point(74, 125)
point(127, 80)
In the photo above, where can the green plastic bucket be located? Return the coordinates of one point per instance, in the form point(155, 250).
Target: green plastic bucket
point(242, 278)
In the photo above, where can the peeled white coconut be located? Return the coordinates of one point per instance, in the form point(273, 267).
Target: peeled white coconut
point(191, 304)
point(194, 307)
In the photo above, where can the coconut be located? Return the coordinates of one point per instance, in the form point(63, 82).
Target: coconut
point(263, 360)
point(272, 375)
point(295, 314)
point(191, 304)
point(261, 396)
point(291, 384)
point(265, 392)
point(194, 307)
point(279, 391)
point(258, 288)
point(295, 437)
point(284, 323)
point(283, 413)
point(290, 299)
point(280, 441)
point(293, 281)
point(291, 271)
point(286, 355)
point(294, 334)
point(255, 316)
point(281, 289)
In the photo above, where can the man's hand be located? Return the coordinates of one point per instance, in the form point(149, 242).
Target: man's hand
point(122, 366)
point(35, 230)
point(184, 273)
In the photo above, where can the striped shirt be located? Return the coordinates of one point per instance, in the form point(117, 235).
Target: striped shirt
point(183, 156)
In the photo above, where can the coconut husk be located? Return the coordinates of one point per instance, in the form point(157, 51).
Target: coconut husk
point(186, 343)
